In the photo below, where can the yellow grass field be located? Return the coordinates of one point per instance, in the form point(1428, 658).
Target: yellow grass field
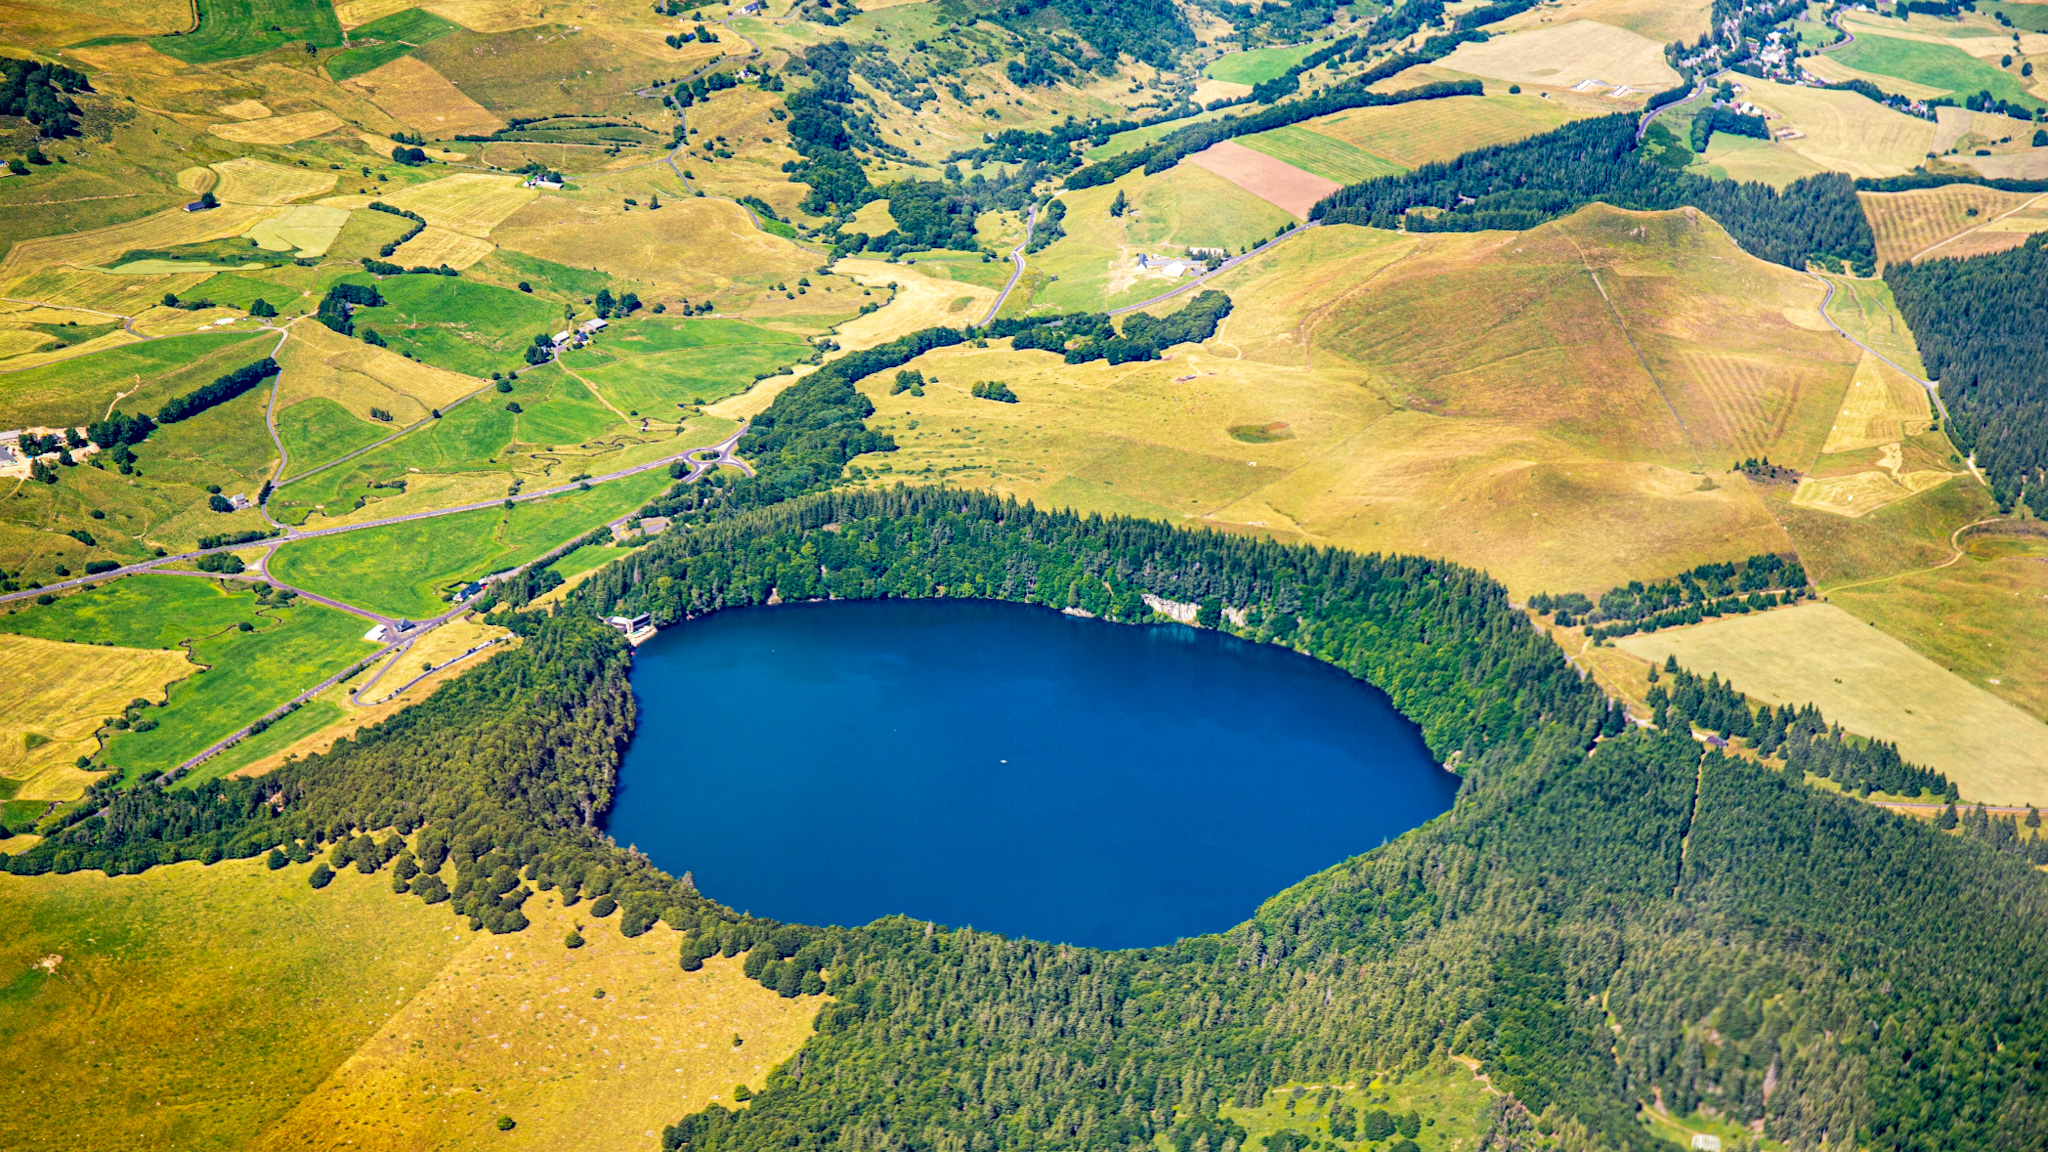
point(246, 110)
point(1561, 55)
point(1881, 407)
point(1866, 310)
point(728, 256)
point(1980, 616)
point(920, 302)
point(382, 146)
point(55, 698)
point(491, 15)
point(1532, 449)
point(518, 1017)
point(103, 245)
point(278, 129)
point(411, 90)
point(472, 203)
point(320, 362)
point(197, 180)
point(281, 83)
point(1861, 493)
point(246, 180)
point(354, 14)
point(1872, 685)
point(1427, 131)
point(1844, 131)
point(2028, 165)
point(437, 246)
point(115, 294)
point(310, 228)
point(1927, 220)
point(1835, 72)
point(1660, 20)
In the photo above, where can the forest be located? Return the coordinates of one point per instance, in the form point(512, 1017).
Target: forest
point(1518, 186)
point(1978, 322)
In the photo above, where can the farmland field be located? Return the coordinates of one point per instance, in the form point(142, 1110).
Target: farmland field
point(1908, 224)
point(76, 392)
point(1845, 131)
point(1941, 66)
point(1428, 131)
point(56, 697)
point(232, 29)
point(1325, 156)
point(1258, 65)
point(317, 430)
point(403, 569)
point(401, 32)
point(1873, 685)
point(1561, 55)
point(456, 324)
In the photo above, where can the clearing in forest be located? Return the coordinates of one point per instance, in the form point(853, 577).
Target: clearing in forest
point(1873, 686)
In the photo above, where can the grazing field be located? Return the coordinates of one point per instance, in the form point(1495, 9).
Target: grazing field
point(731, 259)
point(191, 1006)
point(1831, 69)
point(246, 180)
point(232, 29)
point(1139, 137)
point(472, 203)
point(1866, 310)
point(653, 366)
point(411, 90)
point(1561, 55)
point(1515, 431)
point(146, 611)
point(279, 129)
point(76, 392)
point(1276, 182)
point(2007, 231)
point(437, 246)
point(105, 245)
point(318, 362)
point(1324, 156)
point(405, 569)
point(1881, 407)
point(1980, 617)
point(1872, 685)
point(1927, 221)
point(547, 70)
point(317, 430)
point(399, 33)
point(457, 324)
point(1936, 66)
point(1863, 492)
point(517, 1015)
point(54, 700)
point(1428, 131)
point(1257, 65)
point(309, 228)
point(1661, 20)
point(1845, 131)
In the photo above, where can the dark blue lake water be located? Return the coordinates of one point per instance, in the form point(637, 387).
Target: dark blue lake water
point(1005, 767)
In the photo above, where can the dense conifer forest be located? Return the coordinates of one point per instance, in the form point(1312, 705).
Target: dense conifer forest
point(1518, 186)
point(1978, 322)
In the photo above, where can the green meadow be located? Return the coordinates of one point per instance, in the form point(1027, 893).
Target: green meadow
point(456, 324)
point(283, 652)
point(407, 569)
point(232, 29)
point(317, 430)
point(1935, 65)
point(76, 392)
point(1260, 64)
point(654, 365)
point(1326, 156)
point(401, 32)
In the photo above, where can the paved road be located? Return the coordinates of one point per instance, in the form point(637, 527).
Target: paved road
point(1933, 387)
point(723, 449)
point(1017, 258)
point(1220, 269)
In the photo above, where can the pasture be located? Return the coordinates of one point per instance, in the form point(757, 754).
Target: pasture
point(1562, 55)
point(359, 377)
point(472, 203)
point(456, 324)
point(279, 129)
point(55, 699)
point(1324, 156)
point(412, 91)
point(1845, 131)
point(1428, 131)
point(1979, 617)
point(317, 430)
point(653, 366)
point(1257, 65)
point(247, 180)
point(1515, 432)
point(516, 1015)
point(1872, 685)
point(104, 245)
point(405, 569)
point(731, 259)
point(386, 39)
point(438, 246)
point(309, 228)
point(193, 1005)
point(1927, 221)
point(135, 377)
point(1881, 407)
point(232, 29)
point(1943, 67)
point(1866, 310)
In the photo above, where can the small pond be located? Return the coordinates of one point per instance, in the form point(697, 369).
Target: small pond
point(1006, 767)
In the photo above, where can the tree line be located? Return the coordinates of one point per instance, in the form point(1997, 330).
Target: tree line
point(1517, 186)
